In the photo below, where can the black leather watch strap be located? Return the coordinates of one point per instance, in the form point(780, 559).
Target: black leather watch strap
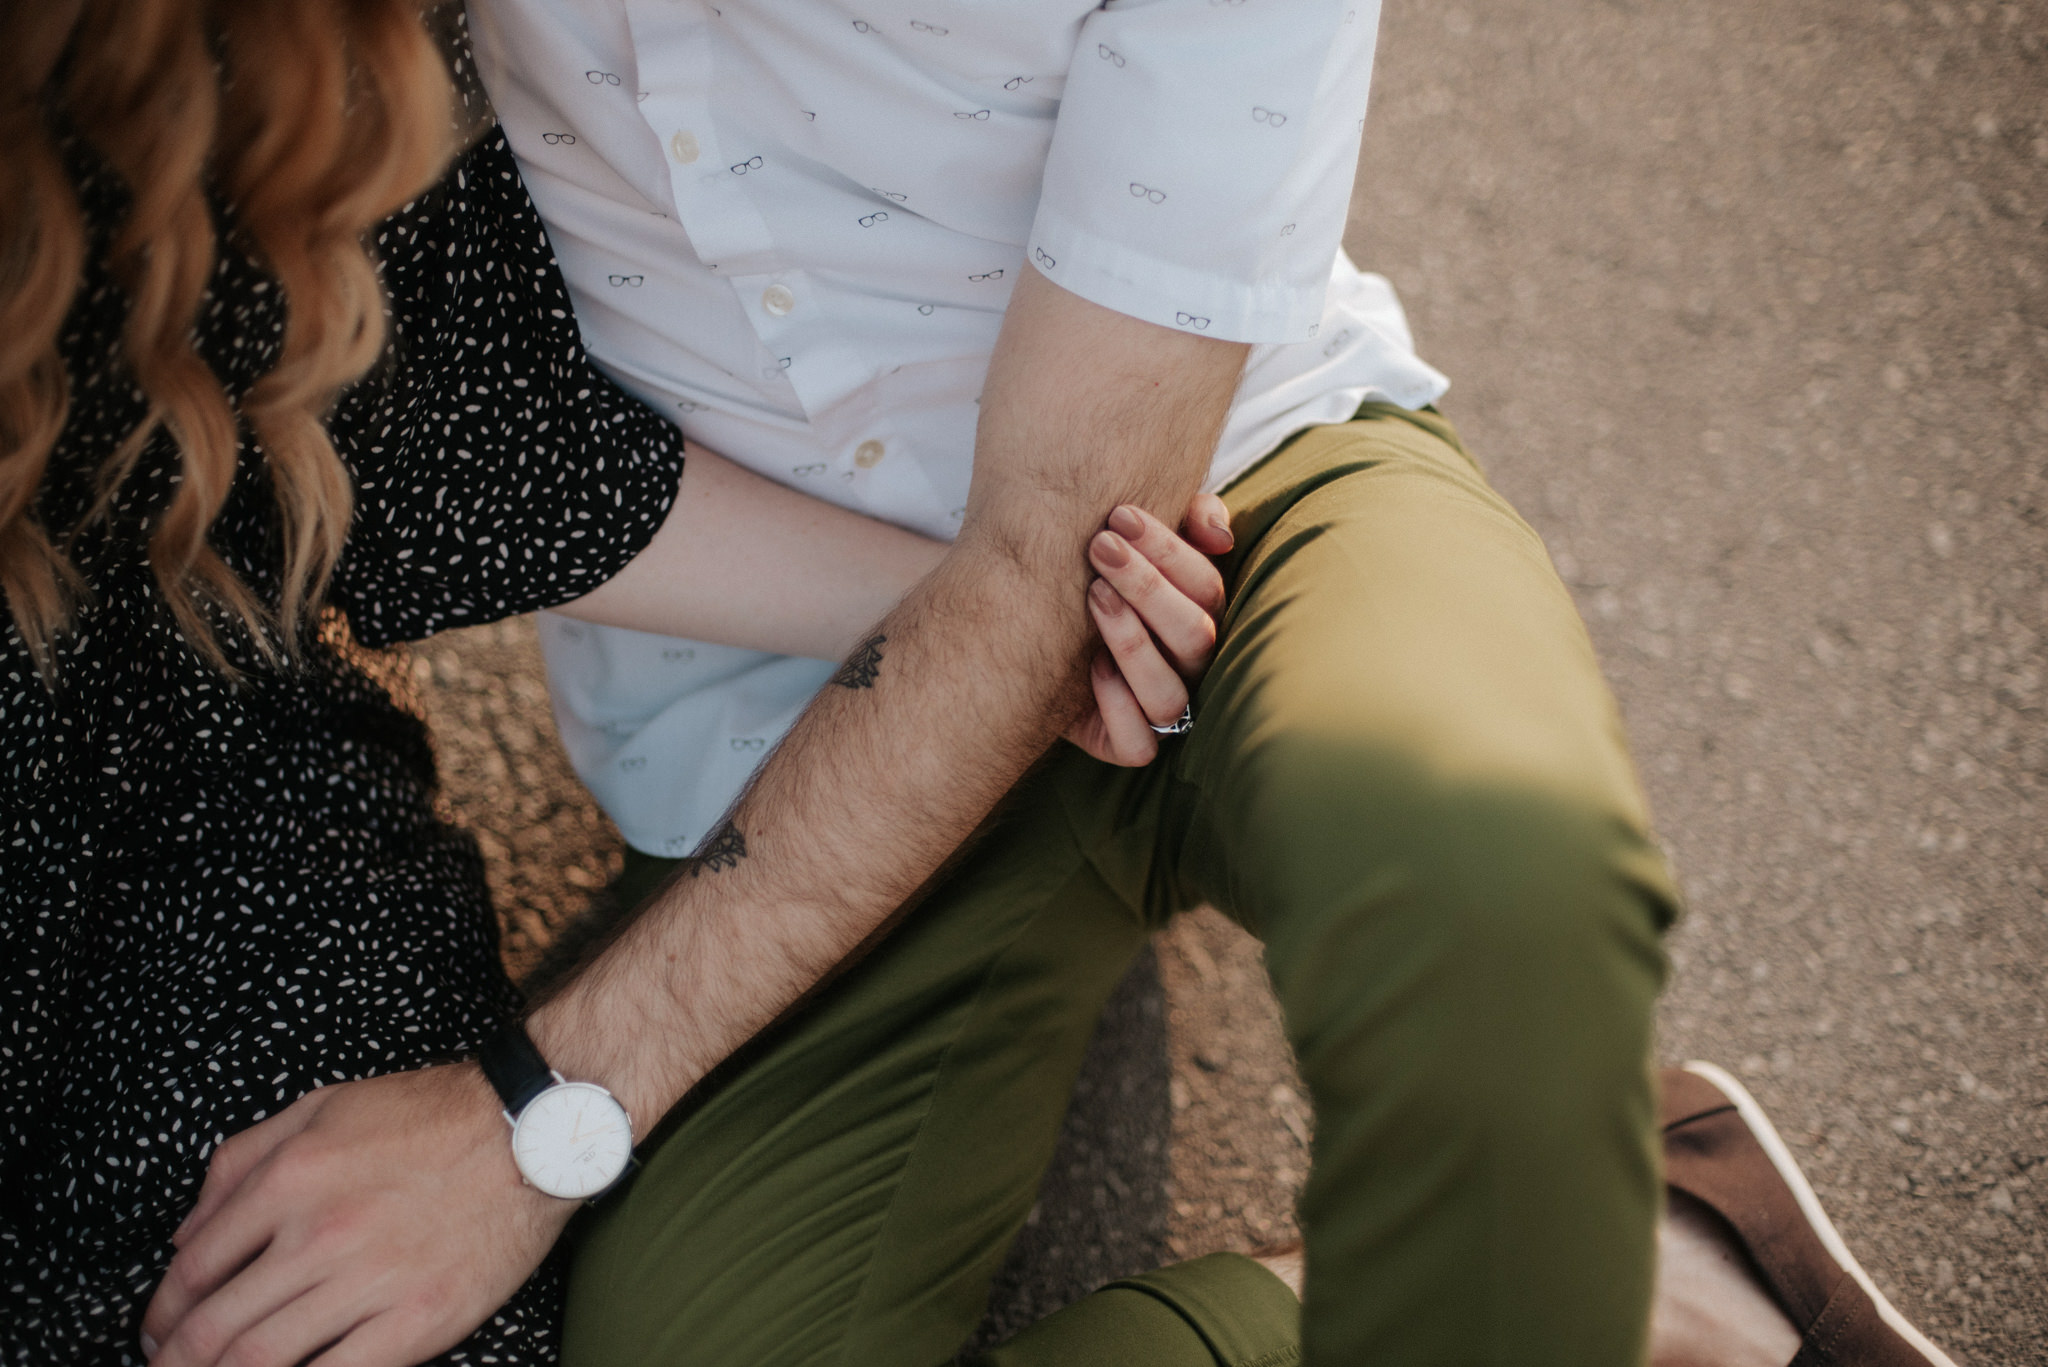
point(514, 1067)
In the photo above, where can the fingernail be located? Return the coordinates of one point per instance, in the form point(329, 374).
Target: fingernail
point(1111, 549)
point(1222, 524)
point(148, 1346)
point(1126, 520)
point(1105, 597)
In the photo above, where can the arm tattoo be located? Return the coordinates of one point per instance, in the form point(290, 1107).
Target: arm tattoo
point(863, 665)
point(722, 851)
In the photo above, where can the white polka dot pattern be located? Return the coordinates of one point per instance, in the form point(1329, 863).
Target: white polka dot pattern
point(217, 897)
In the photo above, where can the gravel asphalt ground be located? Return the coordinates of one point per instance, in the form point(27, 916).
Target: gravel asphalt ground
point(1746, 308)
point(1746, 305)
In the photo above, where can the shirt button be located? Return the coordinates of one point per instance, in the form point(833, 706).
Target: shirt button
point(683, 146)
point(867, 455)
point(778, 300)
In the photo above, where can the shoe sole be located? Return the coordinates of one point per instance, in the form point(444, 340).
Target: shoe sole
point(1809, 1205)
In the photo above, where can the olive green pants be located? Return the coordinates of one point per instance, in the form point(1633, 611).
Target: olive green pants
point(1407, 778)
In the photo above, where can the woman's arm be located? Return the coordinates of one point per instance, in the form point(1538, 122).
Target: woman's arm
point(469, 457)
point(743, 561)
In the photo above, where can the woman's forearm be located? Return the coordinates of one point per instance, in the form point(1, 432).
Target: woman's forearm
point(742, 561)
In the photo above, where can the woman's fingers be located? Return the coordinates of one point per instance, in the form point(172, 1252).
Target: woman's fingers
point(1206, 526)
point(1121, 734)
point(1181, 622)
point(1182, 565)
point(1160, 691)
point(1155, 609)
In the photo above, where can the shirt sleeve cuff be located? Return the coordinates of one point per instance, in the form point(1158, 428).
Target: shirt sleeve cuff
point(1167, 293)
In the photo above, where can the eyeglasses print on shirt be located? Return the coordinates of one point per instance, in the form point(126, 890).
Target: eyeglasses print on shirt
point(740, 168)
point(1337, 343)
point(559, 139)
point(1148, 193)
point(925, 309)
point(1016, 81)
point(628, 281)
point(1192, 320)
point(600, 78)
point(1271, 117)
point(922, 27)
point(987, 275)
point(1038, 254)
point(746, 743)
point(1109, 54)
point(890, 194)
point(978, 115)
point(863, 26)
point(1287, 230)
point(806, 471)
point(870, 220)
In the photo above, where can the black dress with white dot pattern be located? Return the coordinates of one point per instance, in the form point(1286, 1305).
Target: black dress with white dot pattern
point(216, 896)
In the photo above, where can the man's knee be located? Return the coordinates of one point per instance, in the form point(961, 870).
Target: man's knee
point(1521, 912)
point(1469, 977)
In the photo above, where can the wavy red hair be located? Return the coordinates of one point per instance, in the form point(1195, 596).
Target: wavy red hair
point(310, 120)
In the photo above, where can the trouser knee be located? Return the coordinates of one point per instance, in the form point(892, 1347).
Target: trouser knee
point(1468, 972)
point(1491, 932)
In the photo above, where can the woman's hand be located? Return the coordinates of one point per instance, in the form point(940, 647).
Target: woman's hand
point(1155, 604)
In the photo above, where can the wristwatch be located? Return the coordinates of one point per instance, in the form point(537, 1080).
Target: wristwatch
point(569, 1139)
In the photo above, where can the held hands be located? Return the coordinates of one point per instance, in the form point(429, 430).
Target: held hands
point(1155, 605)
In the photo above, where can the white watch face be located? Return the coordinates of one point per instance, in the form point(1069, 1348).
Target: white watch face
point(573, 1140)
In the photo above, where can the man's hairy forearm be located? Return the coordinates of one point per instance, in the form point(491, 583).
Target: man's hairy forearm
point(870, 792)
point(930, 721)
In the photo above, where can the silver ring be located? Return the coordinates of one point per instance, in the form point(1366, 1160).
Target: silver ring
point(1181, 727)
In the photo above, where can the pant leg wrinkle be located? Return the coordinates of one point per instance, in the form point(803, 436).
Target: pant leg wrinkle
point(967, 1023)
point(1412, 783)
point(882, 1235)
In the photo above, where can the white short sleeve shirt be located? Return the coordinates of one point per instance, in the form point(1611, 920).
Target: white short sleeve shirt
point(793, 225)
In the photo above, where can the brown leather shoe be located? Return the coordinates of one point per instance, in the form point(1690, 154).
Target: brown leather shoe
point(1720, 1149)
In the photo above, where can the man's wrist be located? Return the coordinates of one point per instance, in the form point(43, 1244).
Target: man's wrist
point(478, 1096)
point(569, 1137)
point(560, 1031)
